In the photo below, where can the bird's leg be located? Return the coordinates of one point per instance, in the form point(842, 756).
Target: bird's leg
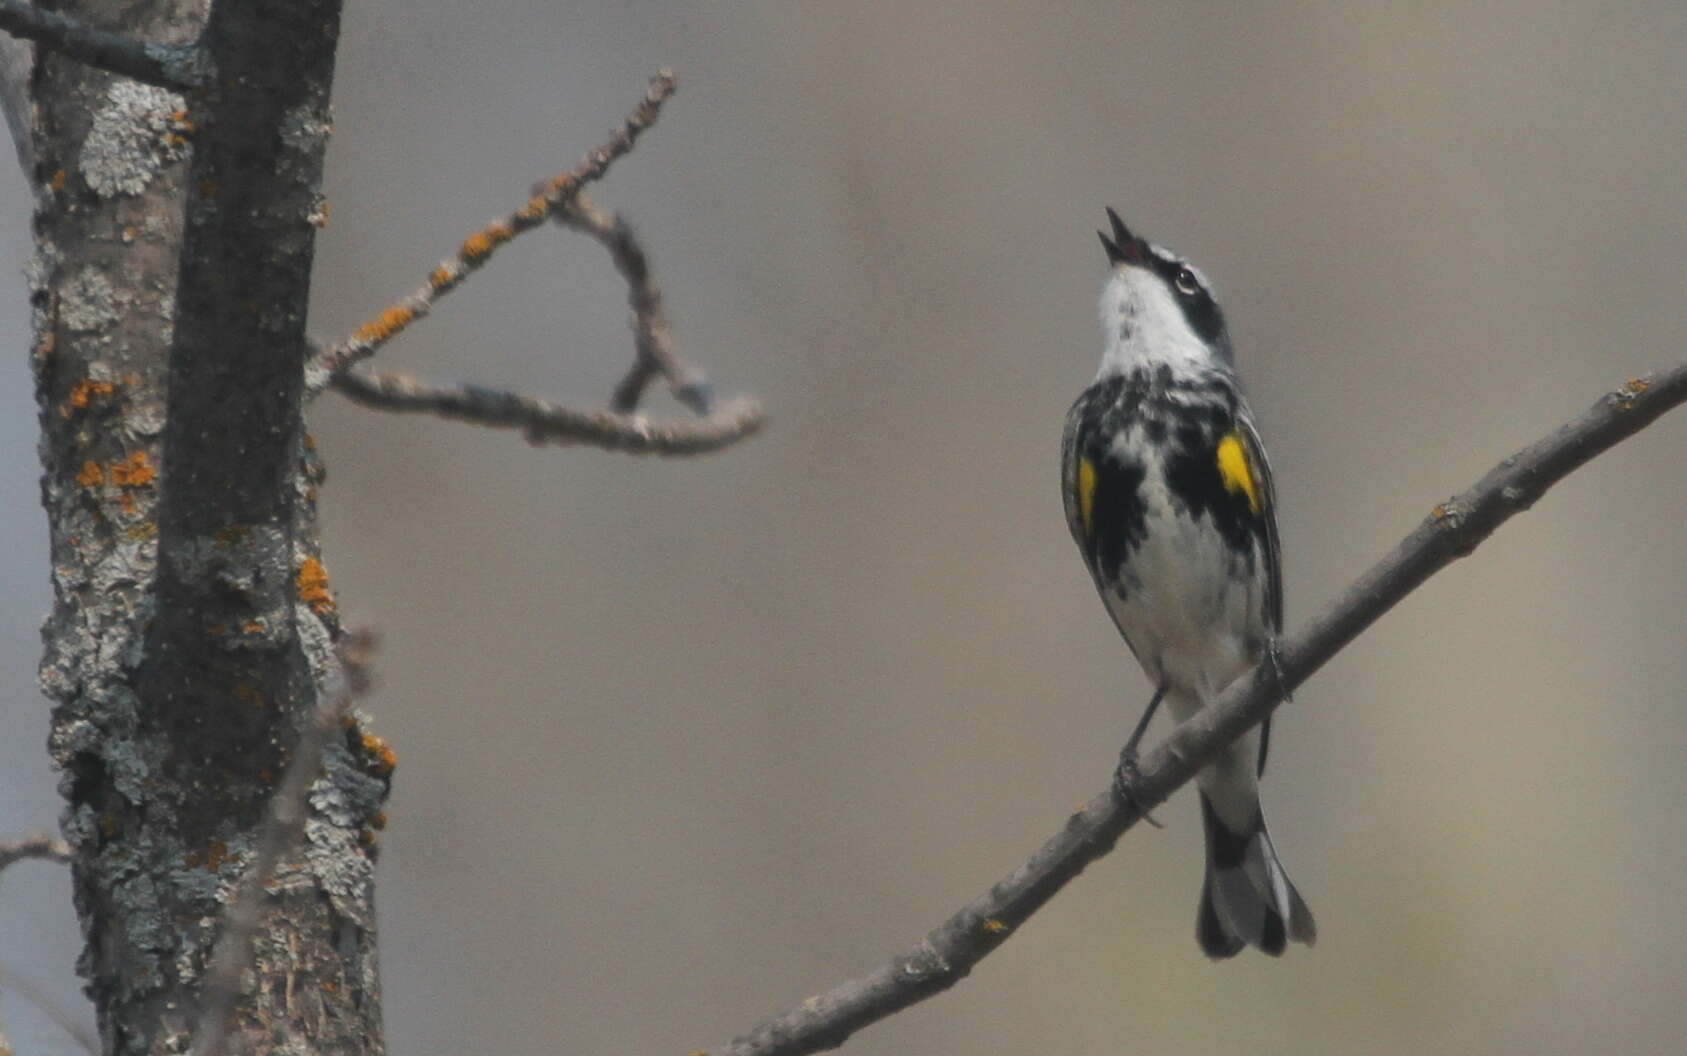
point(1275, 655)
point(1126, 776)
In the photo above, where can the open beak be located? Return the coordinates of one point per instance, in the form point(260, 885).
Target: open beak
point(1123, 247)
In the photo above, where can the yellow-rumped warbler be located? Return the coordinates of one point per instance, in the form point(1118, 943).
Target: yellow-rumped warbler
point(1169, 497)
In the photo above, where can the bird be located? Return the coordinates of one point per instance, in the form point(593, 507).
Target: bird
point(1169, 497)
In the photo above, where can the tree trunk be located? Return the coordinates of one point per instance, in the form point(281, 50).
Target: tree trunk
point(192, 625)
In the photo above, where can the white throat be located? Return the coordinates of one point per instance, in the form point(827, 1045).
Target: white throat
point(1141, 325)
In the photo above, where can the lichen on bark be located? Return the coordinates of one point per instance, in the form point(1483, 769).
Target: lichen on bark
point(179, 659)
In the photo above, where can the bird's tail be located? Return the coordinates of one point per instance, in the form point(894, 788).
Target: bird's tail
point(1247, 899)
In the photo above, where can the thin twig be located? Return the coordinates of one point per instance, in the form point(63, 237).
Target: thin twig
point(1453, 529)
point(76, 1030)
point(37, 846)
point(652, 339)
point(42, 848)
point(477, 249)
point(177, 66)
point(543, 421)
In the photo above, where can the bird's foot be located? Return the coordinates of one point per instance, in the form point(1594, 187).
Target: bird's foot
point(1125, 780)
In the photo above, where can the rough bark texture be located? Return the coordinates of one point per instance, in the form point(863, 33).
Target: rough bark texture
point(192, 620)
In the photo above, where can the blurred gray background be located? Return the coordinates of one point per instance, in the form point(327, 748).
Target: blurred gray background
point(683, 742)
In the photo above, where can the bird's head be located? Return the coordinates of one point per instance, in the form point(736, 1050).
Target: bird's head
point(1157, 308)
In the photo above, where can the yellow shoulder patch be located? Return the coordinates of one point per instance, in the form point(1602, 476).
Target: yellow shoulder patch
point(1086, 496)
point(1235, 469)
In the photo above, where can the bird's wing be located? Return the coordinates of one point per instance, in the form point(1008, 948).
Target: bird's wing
point(1260, 468)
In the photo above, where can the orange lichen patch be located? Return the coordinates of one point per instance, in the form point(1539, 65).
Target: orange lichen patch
point(130, 233)
point(486, 240)
point(1439, 511)
point(182, 122)
point(91, 476)
point(386, 324)
point(994, 926)
point(133, 472)
point(441, 277)
point(378, 820)
point(60, 180)
point(385, 759)
point(254, 627)
point(476, 246)
point(331, 986)
point(1634, 387)
point(175, 140)
point(534, 209)
point(143, 530)
point(127, 501)
point(313, 585)
point(84, 392)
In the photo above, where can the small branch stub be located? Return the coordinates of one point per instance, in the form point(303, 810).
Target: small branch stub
point(175, 66)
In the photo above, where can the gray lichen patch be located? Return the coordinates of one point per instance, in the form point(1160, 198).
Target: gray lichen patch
point(341, 867)
point(305, 128)
point(131, 138)
point(241, 558)
point(43, 263)
point(89, 301)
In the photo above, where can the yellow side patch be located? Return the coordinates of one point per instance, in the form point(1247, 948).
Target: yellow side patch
point(1235, 470)
point(1086, 496)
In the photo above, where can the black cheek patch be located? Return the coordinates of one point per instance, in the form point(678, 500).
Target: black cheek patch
point(1203, 315)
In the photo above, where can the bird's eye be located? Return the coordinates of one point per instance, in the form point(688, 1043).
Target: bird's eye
point(1186, 283)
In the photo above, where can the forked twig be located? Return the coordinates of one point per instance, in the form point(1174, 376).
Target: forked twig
point(652, 339)
point(478, 248)
point(542, 420)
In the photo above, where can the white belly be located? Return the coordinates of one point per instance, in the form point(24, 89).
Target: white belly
point(1193, 611)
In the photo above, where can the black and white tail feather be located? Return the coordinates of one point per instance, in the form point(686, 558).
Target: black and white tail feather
point(1247, 899)
point(1169, 496)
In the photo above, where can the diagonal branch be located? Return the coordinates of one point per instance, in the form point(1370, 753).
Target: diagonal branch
point(545, 422)
point(478, 248)
point(176, 66)
point(1453, 529)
